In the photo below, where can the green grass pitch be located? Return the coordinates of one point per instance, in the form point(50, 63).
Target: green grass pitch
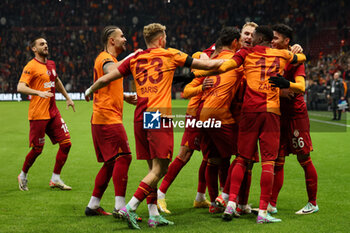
point(44, 210)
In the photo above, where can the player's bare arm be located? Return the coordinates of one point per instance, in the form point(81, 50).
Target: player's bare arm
point(102, 82)
point(110, 66)
point(24, 89)
point(61, 89)
point(206, 64)
point(226, 65)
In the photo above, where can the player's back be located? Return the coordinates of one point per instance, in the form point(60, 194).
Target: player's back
point(260, 63)
point(217, 100)
point(153, 70)
point(108, 101)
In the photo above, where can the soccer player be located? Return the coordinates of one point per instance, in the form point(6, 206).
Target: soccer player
point(216, 103)
point(190, 142)
point(153, 71)
point(295, 127)
point(108, 133)
point(260, 114)
point(39, 79)
point(243, 207)
point(222, 199)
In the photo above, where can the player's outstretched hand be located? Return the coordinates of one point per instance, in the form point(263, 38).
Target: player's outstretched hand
point(45, 94)
point(279, 81)
point(207, 83)
point(130, 99)
point(70, 103)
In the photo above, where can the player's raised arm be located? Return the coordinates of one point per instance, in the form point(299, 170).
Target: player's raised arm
point(206, 64)
point(224, 67)
point(102, 82)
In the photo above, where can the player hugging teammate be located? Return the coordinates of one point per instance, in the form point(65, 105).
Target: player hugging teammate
point(253, 82)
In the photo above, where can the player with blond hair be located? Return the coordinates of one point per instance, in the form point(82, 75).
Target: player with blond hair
point(153, 70)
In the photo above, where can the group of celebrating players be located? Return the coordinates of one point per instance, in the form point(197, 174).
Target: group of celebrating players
point(252, 81)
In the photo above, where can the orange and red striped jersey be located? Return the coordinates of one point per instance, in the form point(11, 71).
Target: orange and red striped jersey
point(153, 71)
point(108, 101)
point(260, 63)
point(42, 77)
point(217, 100)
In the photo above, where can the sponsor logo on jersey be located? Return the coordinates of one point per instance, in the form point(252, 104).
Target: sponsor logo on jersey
point(49, 84)
point(296, 133)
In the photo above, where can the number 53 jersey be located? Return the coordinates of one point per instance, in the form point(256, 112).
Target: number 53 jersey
point(260, 63)
point(153, 71)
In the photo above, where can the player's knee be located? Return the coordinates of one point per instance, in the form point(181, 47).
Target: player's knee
point(37, 149)
point(185, 154)
point(65, 147)
point(126, 159)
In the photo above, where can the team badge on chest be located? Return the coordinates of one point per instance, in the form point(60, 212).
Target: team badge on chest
point(296, 133)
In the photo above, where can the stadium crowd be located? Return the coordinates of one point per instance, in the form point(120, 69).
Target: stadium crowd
point(320, 77)
point(70, 28)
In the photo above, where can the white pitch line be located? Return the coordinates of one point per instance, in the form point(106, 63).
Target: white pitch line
point(327, 115)
point(330, 123)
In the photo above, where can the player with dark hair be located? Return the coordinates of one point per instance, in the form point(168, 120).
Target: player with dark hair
point(39, 79)
point(153, 71)
point(108, 133)
point(236, 105)
point(190, 142)
point(215, 104)
point(260, 114)
point(295, 127)
point(192, 136)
